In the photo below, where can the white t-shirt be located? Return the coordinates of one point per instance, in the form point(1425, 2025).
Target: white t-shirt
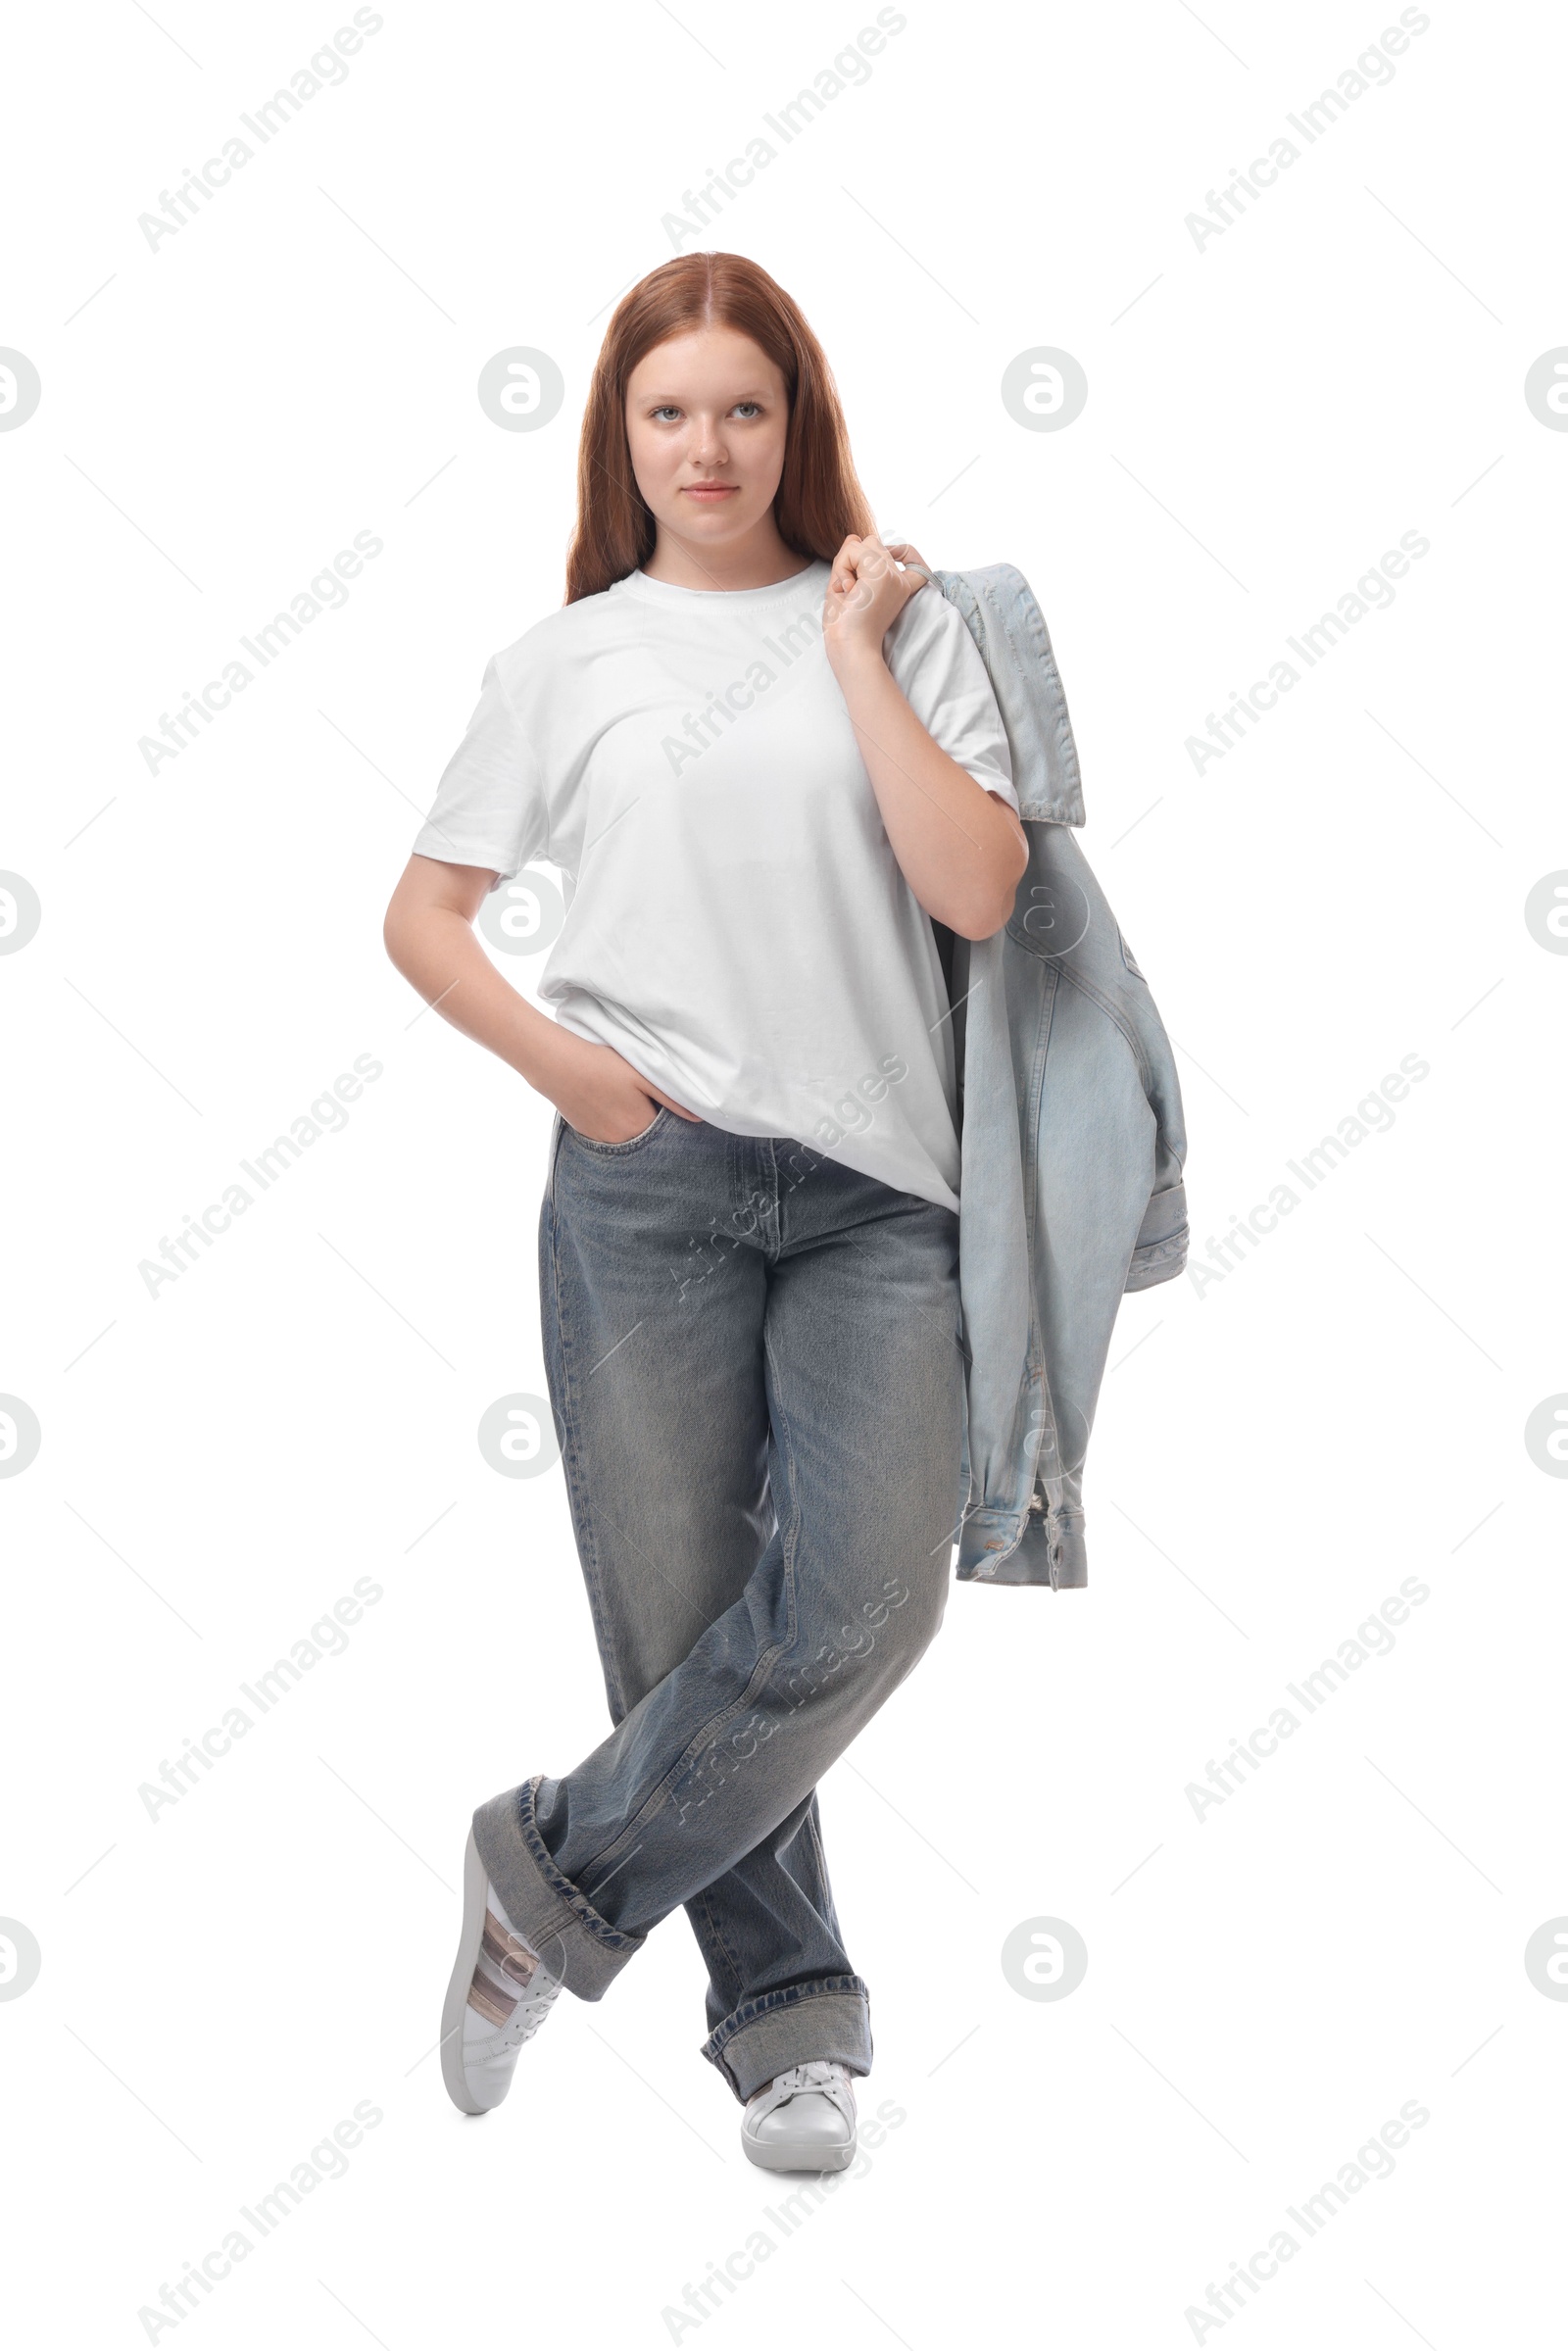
point(737, 925)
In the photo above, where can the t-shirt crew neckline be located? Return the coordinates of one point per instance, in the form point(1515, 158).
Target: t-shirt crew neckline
point(665, 591)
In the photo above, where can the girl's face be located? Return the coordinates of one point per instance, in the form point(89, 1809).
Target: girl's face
point(706, 416)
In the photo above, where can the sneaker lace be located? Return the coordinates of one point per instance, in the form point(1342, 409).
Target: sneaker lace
point(825, 2075)
point(529, 2015)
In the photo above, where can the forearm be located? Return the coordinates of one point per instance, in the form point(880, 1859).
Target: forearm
point(961, 849)
point(438, 954)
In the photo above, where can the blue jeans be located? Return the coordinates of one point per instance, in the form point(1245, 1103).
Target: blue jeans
point(755, 1364)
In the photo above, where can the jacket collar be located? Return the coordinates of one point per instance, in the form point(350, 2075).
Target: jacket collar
point(998, 609)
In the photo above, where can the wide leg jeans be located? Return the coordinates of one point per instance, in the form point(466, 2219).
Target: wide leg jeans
point(753, 1359)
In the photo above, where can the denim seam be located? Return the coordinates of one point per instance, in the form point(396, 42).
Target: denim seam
point(1035, 1356)
point(831, 1917)
point(618, 1151)
point(792, 1995)
point(715, 1929)
point(1118, 1019)
point(790, 1531)
point(1039, 1056)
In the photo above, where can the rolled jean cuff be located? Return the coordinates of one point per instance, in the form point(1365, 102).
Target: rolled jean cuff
point(829, 2021)
point(576, 1946)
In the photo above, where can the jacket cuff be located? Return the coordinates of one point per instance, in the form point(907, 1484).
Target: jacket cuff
point(1161, 1251)
point(1042, 1547)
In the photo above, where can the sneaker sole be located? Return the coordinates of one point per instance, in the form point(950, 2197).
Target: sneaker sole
point(475, 1885)
point(784, 2158)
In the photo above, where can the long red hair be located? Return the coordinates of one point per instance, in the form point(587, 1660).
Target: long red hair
point(819, 499)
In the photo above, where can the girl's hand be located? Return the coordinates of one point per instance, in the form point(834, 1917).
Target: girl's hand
point(429, 936)
point(599, 1093)
point(865, 595)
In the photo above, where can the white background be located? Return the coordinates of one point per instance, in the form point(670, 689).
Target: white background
point(1343, 1411)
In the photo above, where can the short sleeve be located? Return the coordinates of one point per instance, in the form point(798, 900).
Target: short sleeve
point(938, 667)
point(490, 807)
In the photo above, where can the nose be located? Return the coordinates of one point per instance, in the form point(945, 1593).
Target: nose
point(706, 446)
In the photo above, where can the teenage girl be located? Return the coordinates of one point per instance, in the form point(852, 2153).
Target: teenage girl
point(766, 759)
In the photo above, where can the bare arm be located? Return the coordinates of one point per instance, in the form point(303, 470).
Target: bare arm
point(429, 937)
point(960, 849)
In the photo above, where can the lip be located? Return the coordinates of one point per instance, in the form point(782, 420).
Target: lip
point(711, 489)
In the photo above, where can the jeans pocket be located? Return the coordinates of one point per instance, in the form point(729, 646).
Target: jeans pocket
point(610, 1150)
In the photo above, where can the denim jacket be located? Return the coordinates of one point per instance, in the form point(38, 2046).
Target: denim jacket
point(1072, 1133)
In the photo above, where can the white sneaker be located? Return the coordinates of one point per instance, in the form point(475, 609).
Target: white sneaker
point(499, 1996)
point(804, 2120)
